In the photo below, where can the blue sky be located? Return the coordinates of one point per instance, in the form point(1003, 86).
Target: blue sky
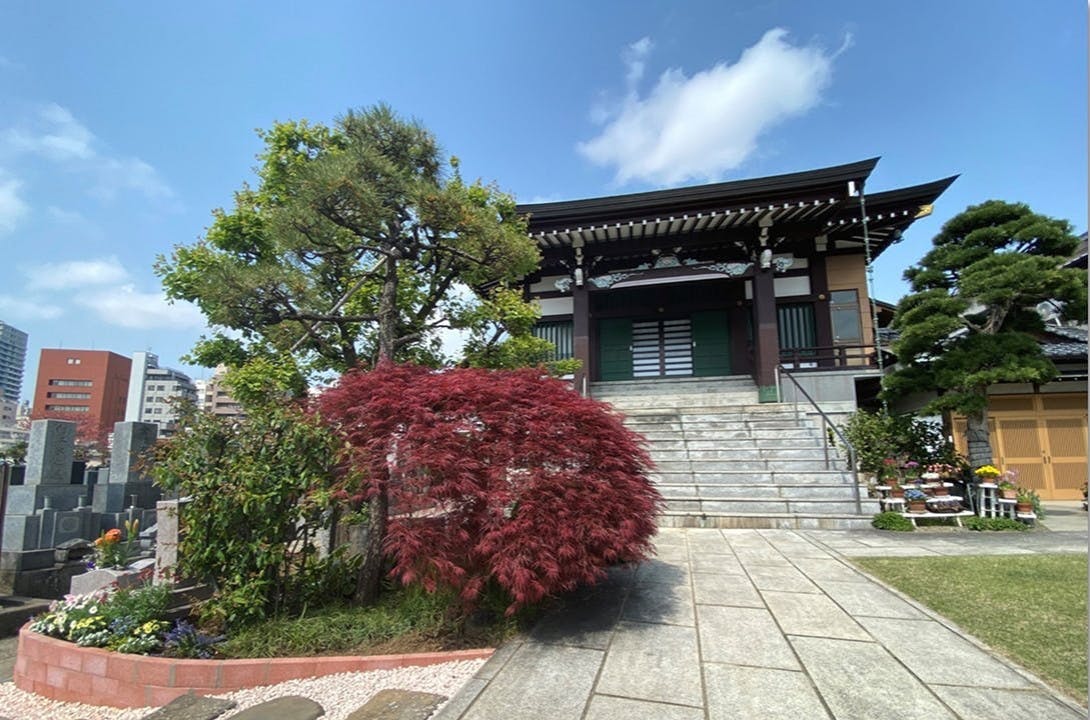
point(122, 125)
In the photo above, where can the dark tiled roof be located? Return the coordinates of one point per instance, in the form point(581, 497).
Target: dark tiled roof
point(1064, 342)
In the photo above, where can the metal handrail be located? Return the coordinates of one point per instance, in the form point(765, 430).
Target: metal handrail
point(826, 423)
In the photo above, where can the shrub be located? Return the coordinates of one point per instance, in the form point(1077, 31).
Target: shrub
point(500, 475)
point(126, 620)
point(258, 490)
point(982, 523)
point(878, 436)
point(892, 521)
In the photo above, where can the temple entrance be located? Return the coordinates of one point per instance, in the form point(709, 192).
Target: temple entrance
point(696, 345)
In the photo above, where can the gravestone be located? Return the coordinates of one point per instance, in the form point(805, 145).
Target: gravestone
point(128, 475)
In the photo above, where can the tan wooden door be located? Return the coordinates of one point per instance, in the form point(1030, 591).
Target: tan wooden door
point(1043, 437)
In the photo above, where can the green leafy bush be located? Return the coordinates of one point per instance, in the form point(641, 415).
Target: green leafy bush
point(982, 523)
point(878, 435)
point(259, 490)
point(892, 521)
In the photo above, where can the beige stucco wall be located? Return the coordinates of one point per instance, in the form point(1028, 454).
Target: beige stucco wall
point(849, 272)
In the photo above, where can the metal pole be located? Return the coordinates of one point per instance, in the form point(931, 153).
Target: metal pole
point(870, 292)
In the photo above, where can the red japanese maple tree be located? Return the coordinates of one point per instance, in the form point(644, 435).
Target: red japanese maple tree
point(496, 475)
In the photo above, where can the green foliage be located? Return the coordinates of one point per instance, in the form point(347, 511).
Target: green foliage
point(16, 452)
point(892, 521)
point(502, 336)
point(358, 242)
point(993, 523)
point(970, 320)
point(258, 492)
point(879, 435)
point(114, 551)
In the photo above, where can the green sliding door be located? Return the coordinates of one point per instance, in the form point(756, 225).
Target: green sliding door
point(615, 348)
point(711, 343)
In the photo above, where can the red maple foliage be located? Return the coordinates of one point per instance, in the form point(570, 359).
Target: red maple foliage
point(501, 475)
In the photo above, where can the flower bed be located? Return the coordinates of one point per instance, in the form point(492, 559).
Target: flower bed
point(61, 670)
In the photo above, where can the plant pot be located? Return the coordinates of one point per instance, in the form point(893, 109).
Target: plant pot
point(917, 506)
point(1024, 507)
point(897, 493)
point(1008, 494)
point(940, 491)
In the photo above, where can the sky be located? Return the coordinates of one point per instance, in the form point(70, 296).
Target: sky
point(123, 125)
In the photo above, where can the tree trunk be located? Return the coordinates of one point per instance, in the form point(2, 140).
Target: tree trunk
point(976, 436)
point(387, 311)
point(369, 578)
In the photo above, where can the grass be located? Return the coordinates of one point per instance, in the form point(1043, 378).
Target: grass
point(1030, 608)
point(403, 621)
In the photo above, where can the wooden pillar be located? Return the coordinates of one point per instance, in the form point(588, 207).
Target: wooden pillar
point(581, 337)
point(766, 340)
point(823, 323)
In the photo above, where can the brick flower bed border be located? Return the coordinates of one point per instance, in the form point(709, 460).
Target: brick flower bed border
point(61, 670)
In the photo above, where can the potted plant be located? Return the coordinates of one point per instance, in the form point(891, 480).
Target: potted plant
point(1008, 490)
point(916, 500)
point(895, 490)
point(911, 470)
point(987, 473)
point(1024, 500)
point(887, 474)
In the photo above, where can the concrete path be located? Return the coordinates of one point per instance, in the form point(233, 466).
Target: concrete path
point(758, 624)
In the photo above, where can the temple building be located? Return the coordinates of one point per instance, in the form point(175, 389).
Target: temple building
point(726, 279)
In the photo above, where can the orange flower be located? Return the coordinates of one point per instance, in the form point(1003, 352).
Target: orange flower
point(113, 535)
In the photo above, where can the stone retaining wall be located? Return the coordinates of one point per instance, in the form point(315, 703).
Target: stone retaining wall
point(61, 670)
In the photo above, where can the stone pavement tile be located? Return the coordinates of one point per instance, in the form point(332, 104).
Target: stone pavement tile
point(988, 703)
point(809, 614)
point(793, 544)
point(581, 623)
point(498, 660)
point(890, 551)
point(660, 571)
point(606, 707)
point(865, 599)
point(786, 579)
point(861, 681)
point(672, 553)
point(660, 663)
point(709, 542)
point(657, 603)
point(931, 651)
point(671, 536)
point(748, 693)
point(726, 590)
point(762, 557)
point(827, 569)
point(391, 704)
point(289, 707)
point(540, 681)
point(742, 636)
point(192, 707)
point(465, 697)
point(702, 563)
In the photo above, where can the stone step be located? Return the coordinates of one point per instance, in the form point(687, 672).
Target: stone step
point(801, 467)
point(749, 477)
point(769, 506)
point(787, 492)
point(673, 385)
point(779, 521)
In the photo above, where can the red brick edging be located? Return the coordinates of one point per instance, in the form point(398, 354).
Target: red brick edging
point(64, 671)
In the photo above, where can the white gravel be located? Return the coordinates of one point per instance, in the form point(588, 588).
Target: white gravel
point(339, 694)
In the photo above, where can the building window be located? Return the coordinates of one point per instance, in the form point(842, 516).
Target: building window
point(67, 408)
point(71, 383)
point(844, 312)
point(73, 361)
point(69, 395)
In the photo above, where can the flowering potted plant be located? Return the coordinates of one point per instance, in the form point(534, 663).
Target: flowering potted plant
point(888, 472)
point(113, 553)
point(987, 473)
point(895, 490)
point(916, 500)
point(911, 470)
point(1024, 498)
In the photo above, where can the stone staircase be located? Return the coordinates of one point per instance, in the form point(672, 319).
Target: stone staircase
point(724, 460)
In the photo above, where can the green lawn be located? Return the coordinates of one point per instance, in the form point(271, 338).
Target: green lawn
point(1032, 608)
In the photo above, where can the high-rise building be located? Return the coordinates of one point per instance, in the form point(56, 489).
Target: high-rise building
point(12, 361)
point(78, 384)
point(154, 393)
point(217, 398)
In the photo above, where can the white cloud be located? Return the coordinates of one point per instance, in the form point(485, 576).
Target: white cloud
point(75, 274)
point(125, 306)
point(12, 207)
point(66, 217)
point(27, 309)
point(703, 126)
point(58, 136)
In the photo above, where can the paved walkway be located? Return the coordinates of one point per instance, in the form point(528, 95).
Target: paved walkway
point(761, 624)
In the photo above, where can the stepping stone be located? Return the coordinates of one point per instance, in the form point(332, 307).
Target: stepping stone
point(398, 705)
point(289, 707)
point(192, 707)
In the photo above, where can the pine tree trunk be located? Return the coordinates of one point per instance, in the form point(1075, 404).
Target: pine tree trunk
point(369, 578)
point(387, 311)
point(976, 436)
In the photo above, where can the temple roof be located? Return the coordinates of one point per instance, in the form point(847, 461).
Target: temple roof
point(803, 204)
